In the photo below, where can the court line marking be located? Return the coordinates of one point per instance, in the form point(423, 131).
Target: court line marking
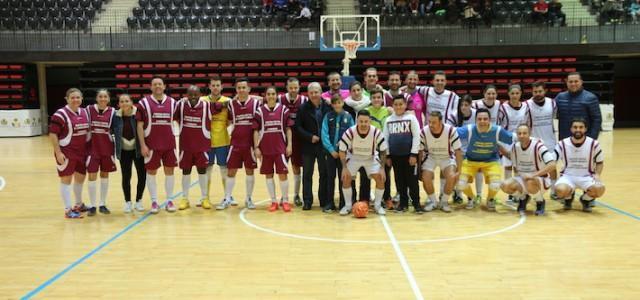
point(402, 259)
point(244, 219)
point(620, 211)
point(2, 183)
point(82, 259)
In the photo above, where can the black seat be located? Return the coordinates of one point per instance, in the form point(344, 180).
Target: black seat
point(246, 2)
point(63, 3)
point(83, 23)
point(97, 4)
point(143, 3)
point(38, 3)
point(30, 12)
point(144, 21)
point(132, 22)
point(156, 22)
point(17, 12)
point(33, 22)
point(232, 10)
point(230, 20)
point(254, 20)
point(169, 21)
point(89, 13)
point(221, 10)
point(65, 12)
point(245, 10)
point(188, 2)
point(510, 5)
point(196, 11)
point(85, 3)
point(161, 11)
point(365, 9)
point(181, 21)
point(498, 5)
point(516, 16)
point(5, 12)
point(174, 11)
point(41, 12)
point(213, 3)
point(185, 11)
point(267, 20)
point(205, 21)
point(501, 16)
point(4, 3)
point(78, 12)
point(257, 2)
point(194, 21)
point(242, 20)
point(223, 2)
point(209, 10)
point(201, 2)
point(48, 3)
point(45, 22)
point(70, 22)
point(26, 3)
point(150, 11)
point(256, 10)
point(166, 3)
point(15, 4)
point(177, 3)
point(138, 11)
point(74, 3)
point(234, 2)
point(217, 20)
point(389, 19)
point(154, 3)
point(53, 12)
point(7, 23)
point(57, 22)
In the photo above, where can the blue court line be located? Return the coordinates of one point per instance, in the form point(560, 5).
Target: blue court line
point(95, 250)
point(620, 211)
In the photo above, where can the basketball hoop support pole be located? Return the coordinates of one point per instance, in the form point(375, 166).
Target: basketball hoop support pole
point(345, 64)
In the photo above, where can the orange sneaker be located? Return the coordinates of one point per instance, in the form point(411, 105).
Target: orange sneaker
point(286, 206)
point(273, 207)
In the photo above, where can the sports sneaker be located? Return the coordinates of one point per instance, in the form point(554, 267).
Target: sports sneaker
point(199, 203)
point(418, 210)
point(183, 204)
point(247, 203)
point(400, 209)
point(223, 204)
point(128, 208)
point(205, 203)
point(477, 199)
point(170, 207)
point(388, 203)
point(233, 202)
point(380, 210)
point(139, 206)
point(491, 204)
point(346, 210)
point(297, 200)
point(540, 208)
point(81, 208)
point(273, 207)
point(286, 207)
point(104, 210)
point(72, 214)
point(431, 205)
point(457, 199)
point(522, 205)
point(511, 201)
point(586, 205)
point(471, 204)
point(155, 208)
point(91, 212)
point(444, 206)
point(567, 204)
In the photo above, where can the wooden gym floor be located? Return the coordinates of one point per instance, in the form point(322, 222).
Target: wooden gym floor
point(310, 255)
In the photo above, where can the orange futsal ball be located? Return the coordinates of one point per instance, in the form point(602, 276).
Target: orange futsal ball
point(360, 209)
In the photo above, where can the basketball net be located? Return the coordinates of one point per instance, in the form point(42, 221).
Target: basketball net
point(350, 48)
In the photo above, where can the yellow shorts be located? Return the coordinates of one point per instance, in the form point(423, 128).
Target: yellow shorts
point(491, 170)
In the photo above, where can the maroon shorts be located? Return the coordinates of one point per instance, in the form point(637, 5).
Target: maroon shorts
point(241, 156)
point(101, 163)
point(188, 159)
point(71, 165)
point(296, 153)
point(166, 156)
point(279, 161)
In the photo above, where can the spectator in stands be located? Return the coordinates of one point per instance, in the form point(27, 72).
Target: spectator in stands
point(634, 11)
point(267, 6)
point(471, 16)
point(304, 17)
point(425, 6)
point(389, 6)
point(611, 11)
point(293, 7)
point(414, 6)
point(453, 12)
point(556, 14)
point(577, 102)
point(487, 13)
point(540, 12)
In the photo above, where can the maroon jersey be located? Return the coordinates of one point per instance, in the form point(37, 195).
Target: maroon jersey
point(243, 118)
point(195, 125)
point(72, 130)
point(273, 124)
point(100, 123)
point(292, 105)
point(157, 117)
point(388, 98)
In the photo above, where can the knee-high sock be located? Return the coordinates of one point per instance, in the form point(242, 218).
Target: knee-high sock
point(186, 182)
point(65, 193)
point(271, 188)
point(297, 179)
point(479, 183)
point(442, 182)
point(377, 200)
point(104, 190)
point(153, 187)
point(168, 185)
point(249, 185)
point(91, 187)
point(209, 176)
point(202, 181)
point(228, 189)
point(284, 189)
point(223, 175)
point(348, 194)
point(77, 192)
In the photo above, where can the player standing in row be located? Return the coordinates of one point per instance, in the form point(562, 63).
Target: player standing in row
point(101, 154)
point(439, 148)
point(379, 114)
point(334, 82)
point(242, 113)
point(532, 162)
point(542, 111)
point(583, 164)
point(193, 115)
point(490, 102)
point(220, 140)
point(272, 138)
point(370, 81)
point(417, 103)
point(353, 104)
point(292, 100)
point(68, 133)
point(465, 115)
point(394, 81)
point(363, 146)
point(157, 142)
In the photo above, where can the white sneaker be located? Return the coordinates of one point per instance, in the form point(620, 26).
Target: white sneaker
point(345, 211)
point(380, 210)
point(248, 204)
point(431, 205)
point(155, 208)
point(138, 206)
point(233, 202)
point(223, 204)
point(127, 207)
point(444, 206)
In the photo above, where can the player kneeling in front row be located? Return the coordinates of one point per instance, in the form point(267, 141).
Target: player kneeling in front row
point(194, 119)
point(440, 148)
point(273, 145)
point(583, 163)
point(532, 162)
point(360, 147)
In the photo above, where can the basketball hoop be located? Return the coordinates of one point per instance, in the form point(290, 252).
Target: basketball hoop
point(350, 48)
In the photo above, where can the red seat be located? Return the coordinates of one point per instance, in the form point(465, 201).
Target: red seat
point(529, 70)
point(516, 71)
point(239, 65)
point(488, 71)
point(136, 75)
point(252, 64)
point(502, 71)
point(462, 71)
point(542, 60)
point(174, 75)
point(529, 60)
point(569, 70)
point(293, 63)
point(462, 61)
point(569, 59)
point(368, 63)
point(475, 71)
point(435, 62)
point(121, 75)
point(279, 74)
point(201, 75)
point(489, 61)
point(422, 62)
point(408, 62)
point(292, 74)
point(147, 66)
point(502, 61)
point(306, 74)
point(319, 63)
point(318, 73)
point(557, 59)
point(543, 70)
point(306, 63)
point(240, 75)
point(556, 70)
point(161, 66)
point(475, 81)
point(121, 66)
point(226, 65)
point(462, 81)
point(187, 65)
point(279, 64)
point(147, 76)
point(173, 66)
point(487, 81)
point(213, 65)
point(266, 64)
point(515, 60)
point(121, 85)
point(381, 62)
point(448, 62)
point(395, 62)
point(200, 65)
point(475, 61)
point(134, 66)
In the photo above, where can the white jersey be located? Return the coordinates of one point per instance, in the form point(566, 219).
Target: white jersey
point(362, 147)
point(493, 110)
point(446, 102)
point(442, 146)
point(453, 120)
point(541, 119)
point(579, 160)
point(531, 159)
point(510, 117)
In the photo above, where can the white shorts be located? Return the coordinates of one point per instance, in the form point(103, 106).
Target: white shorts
point(430, 164)
point(581, 182)
point(545, 183)
point(371, 166)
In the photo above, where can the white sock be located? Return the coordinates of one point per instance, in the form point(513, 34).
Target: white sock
point(249, 185)
point(442, 182)
point(65, 193)
point(297, 179)
point(445, 198)
point(377, 200)
point(432, 198)
point(284, 189)
point(223, 176)
point(77, 192)
point(479, 184)
point(153, 188)
point(91, 187)
point(202, 180)
point(228, 189)
point(186, 182)
point(104, 189)
point(271, 188)
point(168, 186)
point(346, 192)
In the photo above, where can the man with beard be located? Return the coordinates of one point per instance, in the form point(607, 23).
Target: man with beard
point(578, 103)
point(542, 110)
point(334, 82)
